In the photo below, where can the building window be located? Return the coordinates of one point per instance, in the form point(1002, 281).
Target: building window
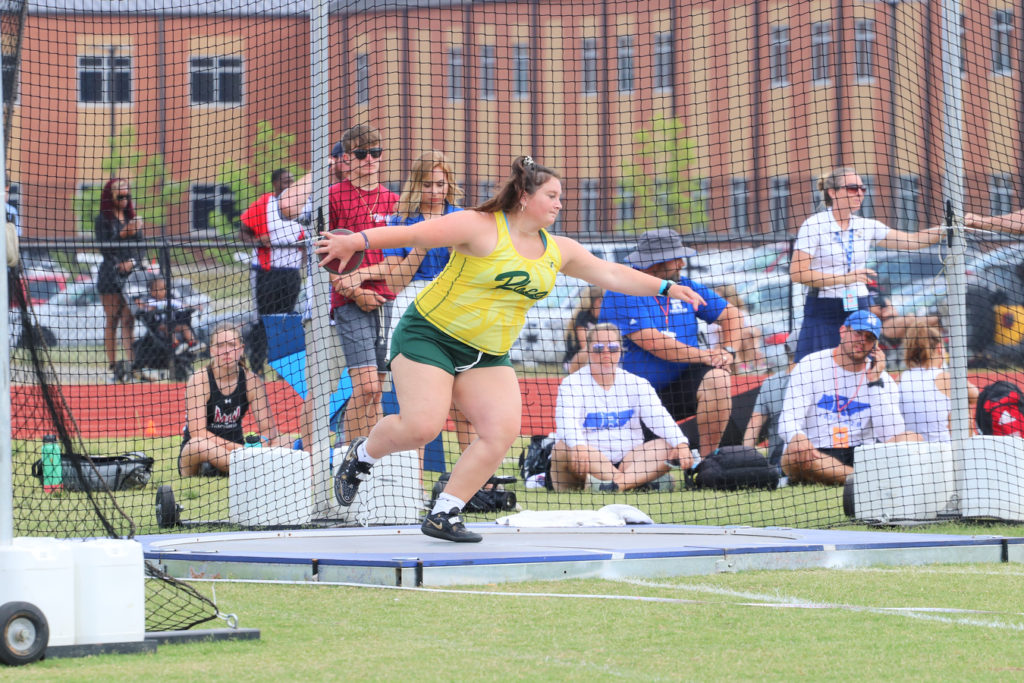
point(589, 70)
point(624, 63)
point(456, 75)
point(589, 196)
point(1000, 194)
point(821, 52)
point(625, 207)
point(105, 78)
point(907, 203)
point(663, 195)
point(778, 55)
point(867, 207)
point(864, 48)
point(778, 204)
point(484, 191)
point(9, 75)
point(663, 62)
point(739, 216)
point(216, 80)
point(488, 72)
point(1002, 37)
point(701, 197)
point(815, 194)
point(521, 71)
point(962, 34)
point(362, 78)
point(204, 200)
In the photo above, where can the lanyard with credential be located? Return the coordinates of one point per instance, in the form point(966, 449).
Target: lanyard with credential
point(835, 385)
point(847, 247)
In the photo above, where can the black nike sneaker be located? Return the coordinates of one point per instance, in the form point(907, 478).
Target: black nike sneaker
point(449, 527)
point(350, 474)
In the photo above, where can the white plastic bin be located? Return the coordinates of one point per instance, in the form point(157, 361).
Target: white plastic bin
point(110, 591)
point(903, 481)
point(269, 486)
point(993, 481)
point(41, 571)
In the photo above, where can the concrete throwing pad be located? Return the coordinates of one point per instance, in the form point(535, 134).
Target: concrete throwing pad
point(405, 557)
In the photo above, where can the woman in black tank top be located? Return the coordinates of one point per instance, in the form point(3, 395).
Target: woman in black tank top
point(217, 400)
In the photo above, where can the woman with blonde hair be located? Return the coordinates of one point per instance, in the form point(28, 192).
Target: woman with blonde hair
point(830, 258)
point(924, 386)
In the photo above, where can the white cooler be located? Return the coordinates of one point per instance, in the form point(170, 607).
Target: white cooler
point(269, 487)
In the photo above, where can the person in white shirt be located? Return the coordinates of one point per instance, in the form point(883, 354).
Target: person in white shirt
point(925, 389)
point(598, 414)
point(830, 256)
point(837, 400)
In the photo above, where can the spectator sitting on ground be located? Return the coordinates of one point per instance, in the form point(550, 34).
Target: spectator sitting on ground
point(583, 320)
point(839, 399)
point(217, 398)
point(925, 390)
point(764, 420)
point(600, 439)
point(662, 345)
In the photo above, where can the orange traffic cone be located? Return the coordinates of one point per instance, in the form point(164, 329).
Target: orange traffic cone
point(151, 429)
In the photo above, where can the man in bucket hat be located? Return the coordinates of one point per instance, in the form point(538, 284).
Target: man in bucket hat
point(661, 342)
point(837, 400)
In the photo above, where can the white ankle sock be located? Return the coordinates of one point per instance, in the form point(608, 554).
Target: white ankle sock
point(445, 502)
point(363, 456)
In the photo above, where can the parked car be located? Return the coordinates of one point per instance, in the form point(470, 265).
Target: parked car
point(40, 286)
point(75, 316)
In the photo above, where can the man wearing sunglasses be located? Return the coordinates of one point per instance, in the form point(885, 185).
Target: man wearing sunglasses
point(662, 343)
point(361, 301)
point(837, 400)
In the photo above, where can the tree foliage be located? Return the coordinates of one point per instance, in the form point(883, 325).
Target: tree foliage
point(660, 180)
point(154, 191)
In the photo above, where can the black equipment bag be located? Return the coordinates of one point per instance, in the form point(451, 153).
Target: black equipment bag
point(536, 459)
point(731, 468)
point(117, 472)
point(492, 497)
point(1000, 409)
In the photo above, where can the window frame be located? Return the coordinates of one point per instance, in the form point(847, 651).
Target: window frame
point(821, 53)
point(778, 55)
point(864, 50)
point(488, 72)
point(663, 64)
point(625, 68)
point(521, 71)
point(217, 73)
point(456, 90)
point(1002, 42)
point(589, 57)
point(110, 70)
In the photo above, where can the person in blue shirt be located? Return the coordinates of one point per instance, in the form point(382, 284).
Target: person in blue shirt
point(662, 344)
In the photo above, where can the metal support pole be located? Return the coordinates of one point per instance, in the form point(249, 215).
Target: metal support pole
point(6, 459)
point(953, 203)
point(317, 349)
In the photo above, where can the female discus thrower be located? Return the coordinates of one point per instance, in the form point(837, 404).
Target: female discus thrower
point(453, 342)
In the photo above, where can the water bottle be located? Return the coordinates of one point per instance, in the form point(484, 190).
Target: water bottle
point(252, 440)
point(52, 475)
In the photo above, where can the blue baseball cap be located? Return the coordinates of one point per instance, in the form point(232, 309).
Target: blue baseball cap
point(864, 321)
point(337, 150)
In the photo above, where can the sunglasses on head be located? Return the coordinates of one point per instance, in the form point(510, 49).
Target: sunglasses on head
point(123, 196)
point(613, 347)
point(374, 152)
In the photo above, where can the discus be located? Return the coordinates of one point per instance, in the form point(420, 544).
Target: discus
point(334, 265)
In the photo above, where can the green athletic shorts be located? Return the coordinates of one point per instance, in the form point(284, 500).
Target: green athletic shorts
point(419, 340)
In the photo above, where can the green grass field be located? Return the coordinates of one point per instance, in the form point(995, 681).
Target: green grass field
point(913, 623)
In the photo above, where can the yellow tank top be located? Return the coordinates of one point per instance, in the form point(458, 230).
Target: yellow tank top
point(482, 301)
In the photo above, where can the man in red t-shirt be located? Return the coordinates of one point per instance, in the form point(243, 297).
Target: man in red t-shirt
point(361, 306)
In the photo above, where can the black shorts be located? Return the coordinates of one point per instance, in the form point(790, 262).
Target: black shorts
point(843, 455)
point(680, 397)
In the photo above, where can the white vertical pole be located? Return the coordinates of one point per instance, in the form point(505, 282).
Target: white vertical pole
point(6, 460)
point(953, 197)
point(317, 349)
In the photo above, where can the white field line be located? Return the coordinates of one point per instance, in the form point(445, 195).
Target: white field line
point(788, 602)
point(761, 600)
